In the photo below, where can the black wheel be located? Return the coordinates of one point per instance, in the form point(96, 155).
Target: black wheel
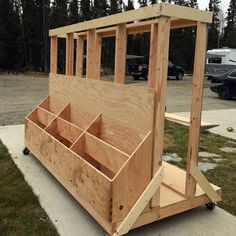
point(224, 92)
point(210, 206)
point(136, 77)
point(179, 76)
point(26, 151)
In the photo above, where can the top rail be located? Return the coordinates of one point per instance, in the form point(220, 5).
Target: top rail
point(162, 9)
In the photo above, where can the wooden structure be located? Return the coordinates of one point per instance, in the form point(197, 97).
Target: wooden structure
point(104, 141)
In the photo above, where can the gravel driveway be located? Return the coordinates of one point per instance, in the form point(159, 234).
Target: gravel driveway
point(19, 94)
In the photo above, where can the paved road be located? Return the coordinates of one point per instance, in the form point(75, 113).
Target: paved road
point(19, 94)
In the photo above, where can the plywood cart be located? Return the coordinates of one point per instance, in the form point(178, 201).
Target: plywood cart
point(104, 141)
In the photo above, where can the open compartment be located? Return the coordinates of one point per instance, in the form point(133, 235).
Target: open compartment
point(41, 117)
point(116, 134)
point(63, 131)
point(76, 116)
point(101, 155)
point(52, 105)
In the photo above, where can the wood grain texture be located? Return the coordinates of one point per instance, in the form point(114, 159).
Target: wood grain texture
point(127, 111)
point(128, 185)
point(70, 54)
point(120, 54)
point(82, 180)
point(53, 54)
point(160, 87)
point(97, 56)
point(79, 56)
point(152, 56)
point(196, 105)
point(90, 60)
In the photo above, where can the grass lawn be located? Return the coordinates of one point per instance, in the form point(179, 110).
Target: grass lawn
point(20, 211)
point(224, 175)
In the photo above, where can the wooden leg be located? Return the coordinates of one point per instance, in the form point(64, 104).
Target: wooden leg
point(79, 56)
point(53, 56)
point(70, 54)
point(90, 54)
point(196, 106)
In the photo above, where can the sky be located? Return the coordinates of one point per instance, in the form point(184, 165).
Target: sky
point(203, 4)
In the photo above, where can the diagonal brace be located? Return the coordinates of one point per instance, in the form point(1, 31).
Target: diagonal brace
point(141, 203)
point(204, 184)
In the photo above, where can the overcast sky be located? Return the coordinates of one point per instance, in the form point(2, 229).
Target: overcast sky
point(203, 4)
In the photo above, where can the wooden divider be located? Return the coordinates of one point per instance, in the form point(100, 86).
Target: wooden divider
point(97, 56)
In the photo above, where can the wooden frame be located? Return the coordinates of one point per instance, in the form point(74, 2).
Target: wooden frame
point(94, 136)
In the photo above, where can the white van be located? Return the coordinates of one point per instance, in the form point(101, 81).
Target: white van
point(220, 61)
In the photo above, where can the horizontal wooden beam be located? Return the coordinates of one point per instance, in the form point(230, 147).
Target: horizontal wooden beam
point(148, 12)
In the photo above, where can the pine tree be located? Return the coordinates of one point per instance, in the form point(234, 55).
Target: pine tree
point(74, 16)
point(115, 6)
point(142, 3)
point(85, 9)
point(153, 2)
point(9, 36)
point(100, 8)
point(130, 5)
point(230, 29)
point(213, 33)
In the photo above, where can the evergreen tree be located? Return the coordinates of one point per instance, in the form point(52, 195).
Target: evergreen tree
point(153, 2)
point(230, 29)
point(130, 5)
point(85, 9)
point(100, 8)
point(213, 33)
point(74, 16)
point(115, 6)
point(142, 3)
point(9, 36)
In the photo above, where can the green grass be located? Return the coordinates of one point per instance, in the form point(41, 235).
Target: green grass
point(224, 175)
point(20, 211)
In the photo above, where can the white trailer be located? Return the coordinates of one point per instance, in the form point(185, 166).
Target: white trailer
point(220, 61)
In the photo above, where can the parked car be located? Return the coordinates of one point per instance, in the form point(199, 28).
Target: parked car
point(141, 71)
point(224, 85)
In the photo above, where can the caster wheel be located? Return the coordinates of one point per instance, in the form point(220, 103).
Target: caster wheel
point(210, 206)
point(26, 151)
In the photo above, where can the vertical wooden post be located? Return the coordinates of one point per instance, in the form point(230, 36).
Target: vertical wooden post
point(97, 59)
point(53, 55)
point(153, 56)
point(70, 54)
point(79, 56)
point(160, 87)
point(90, 54)
point(196, 105)
point(120, 53)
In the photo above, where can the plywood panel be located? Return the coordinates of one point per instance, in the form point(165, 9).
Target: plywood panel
point(83, 181)
point(132, 180)
point(126, 110)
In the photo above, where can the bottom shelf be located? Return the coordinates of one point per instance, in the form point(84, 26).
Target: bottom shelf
point(172, 201)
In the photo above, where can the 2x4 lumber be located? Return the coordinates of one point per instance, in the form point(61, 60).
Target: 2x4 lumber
point(157, 10)
point(141, 27)
point(97, 55)
point(53, 54)
point(196, 105)
point(70, 54)
point(160, 87)
point(152, 56)
point(140, 204)
point(79, 56)
point(90, 54)
point(204, 184)
point(120, 54)
point(186, 121)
